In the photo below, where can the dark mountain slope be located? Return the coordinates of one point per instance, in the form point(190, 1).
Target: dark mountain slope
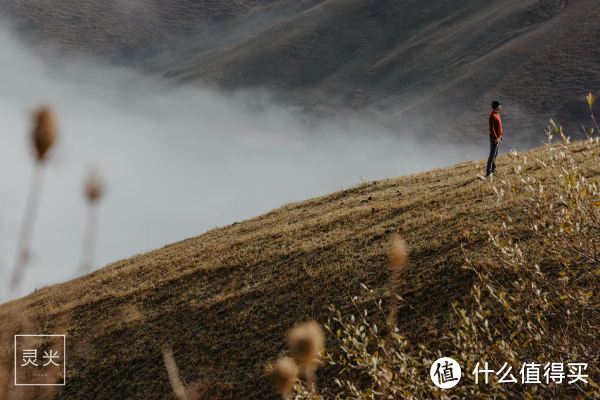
point(407, 60)
point(128, 30)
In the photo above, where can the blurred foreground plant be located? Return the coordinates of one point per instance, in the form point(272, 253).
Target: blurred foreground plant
point(306, 342)
point(43, 136)
point(94, 189)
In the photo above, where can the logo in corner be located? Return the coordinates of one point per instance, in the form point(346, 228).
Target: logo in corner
point(40, 360)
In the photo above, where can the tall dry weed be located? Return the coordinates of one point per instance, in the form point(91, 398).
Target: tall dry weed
point(43, 137)
point(94, 189)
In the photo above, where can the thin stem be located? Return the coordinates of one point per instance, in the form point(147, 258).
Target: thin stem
point(27, 228)
point(395, 286)
point(311, 380)
point(173, 374)
point(89, 239)
point(595, 123)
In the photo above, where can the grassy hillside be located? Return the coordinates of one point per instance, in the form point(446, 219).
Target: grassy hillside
point(224, 300)
point(402, 58)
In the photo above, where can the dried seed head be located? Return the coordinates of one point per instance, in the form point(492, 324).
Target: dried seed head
point(283, 374)
point(591, 99)
point(306, 340)
point(94, 186)
point(173, 373)
point(398, 254)
point(44, 132)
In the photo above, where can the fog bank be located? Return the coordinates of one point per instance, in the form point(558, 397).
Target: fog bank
point(177, 161)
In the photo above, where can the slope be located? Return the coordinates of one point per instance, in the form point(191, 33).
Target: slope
point(400, 59)
point(128, 31)
point(404, 59)
point(224, 300)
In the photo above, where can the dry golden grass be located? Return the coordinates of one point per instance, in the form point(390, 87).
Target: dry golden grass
point(223, 301)
point(529, 305)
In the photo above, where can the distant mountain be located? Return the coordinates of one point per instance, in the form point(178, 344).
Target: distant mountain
point(132, 29)
point(432, 65)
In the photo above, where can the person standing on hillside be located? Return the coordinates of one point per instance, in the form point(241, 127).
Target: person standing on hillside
point(495, 137)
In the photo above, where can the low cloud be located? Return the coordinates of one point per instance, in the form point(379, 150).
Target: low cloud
point(177, 160)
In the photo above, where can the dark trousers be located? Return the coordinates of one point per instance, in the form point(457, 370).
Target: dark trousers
point(491, 164)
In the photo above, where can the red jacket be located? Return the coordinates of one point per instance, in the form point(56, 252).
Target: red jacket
point(495, 125)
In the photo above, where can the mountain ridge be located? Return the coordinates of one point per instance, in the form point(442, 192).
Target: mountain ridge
point(399, 60)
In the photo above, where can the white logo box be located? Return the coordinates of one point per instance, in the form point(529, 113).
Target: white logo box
point(64, 361)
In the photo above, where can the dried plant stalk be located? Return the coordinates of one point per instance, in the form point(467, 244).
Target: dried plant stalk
point(26, 235)
point(398, 255)
point(43, 137)
point(173, 372)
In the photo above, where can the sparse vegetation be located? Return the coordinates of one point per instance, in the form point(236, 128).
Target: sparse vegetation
point(502, 270)
point(536, 303)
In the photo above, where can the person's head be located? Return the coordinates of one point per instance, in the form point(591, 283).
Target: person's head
point(496, 106)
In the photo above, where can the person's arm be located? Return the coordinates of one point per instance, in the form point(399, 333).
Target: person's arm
point(498, 129)
point(492, 122)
